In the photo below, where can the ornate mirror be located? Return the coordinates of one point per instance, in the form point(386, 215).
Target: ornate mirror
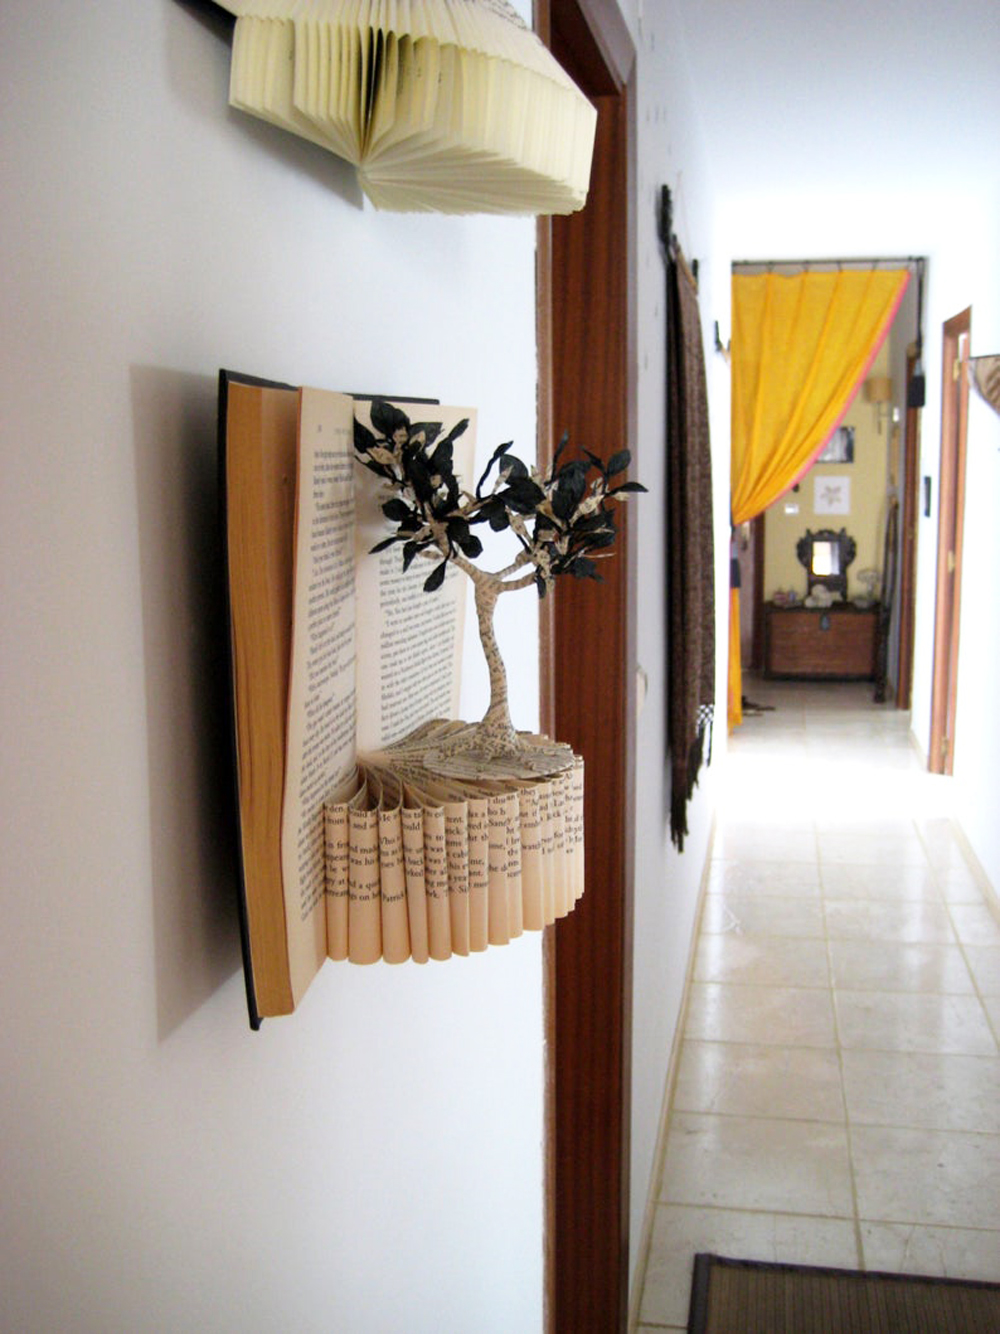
point(826, 555)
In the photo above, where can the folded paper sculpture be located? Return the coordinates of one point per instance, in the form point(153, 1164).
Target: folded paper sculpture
point(451, 106)
point(986, 378)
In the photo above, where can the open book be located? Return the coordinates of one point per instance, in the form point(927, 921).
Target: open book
point(450, 105)
point(344, 672)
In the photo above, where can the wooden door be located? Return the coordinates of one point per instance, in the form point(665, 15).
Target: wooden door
point(587, 387)
point(951, 507)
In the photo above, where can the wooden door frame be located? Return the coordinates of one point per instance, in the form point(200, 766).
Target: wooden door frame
point(910, 481)
point(951, 515)
point(587, 386)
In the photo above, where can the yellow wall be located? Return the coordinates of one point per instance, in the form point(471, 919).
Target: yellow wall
point(867, 511)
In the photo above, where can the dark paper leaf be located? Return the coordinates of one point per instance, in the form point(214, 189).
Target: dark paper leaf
point(429, 430)
point(387, 418)
point(396, 510)
point(381, 546)
point(410, 550)
point(619, 462)
point(569, 490)
point(442, 459)
point(498, 453)
point(563, 442)
point(364, 441)
point(583, 568)
point(436, 578)
point(458, 429)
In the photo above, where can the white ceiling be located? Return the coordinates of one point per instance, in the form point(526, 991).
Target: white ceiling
point(873, 94)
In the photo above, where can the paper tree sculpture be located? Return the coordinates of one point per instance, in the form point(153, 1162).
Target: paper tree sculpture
point(564, 523)
point(452, 106)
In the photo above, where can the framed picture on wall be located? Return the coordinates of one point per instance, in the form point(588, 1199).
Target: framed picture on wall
point(832, 495)
point(840, 447)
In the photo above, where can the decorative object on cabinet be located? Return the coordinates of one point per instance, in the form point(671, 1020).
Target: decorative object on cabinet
point(448, 106)
point(826, 554)
point(869, 579)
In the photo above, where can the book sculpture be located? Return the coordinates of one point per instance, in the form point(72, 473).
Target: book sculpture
point(372, 825)
point(453, 106)
point(985, 375)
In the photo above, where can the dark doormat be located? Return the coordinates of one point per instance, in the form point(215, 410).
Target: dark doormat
point(746, 1297)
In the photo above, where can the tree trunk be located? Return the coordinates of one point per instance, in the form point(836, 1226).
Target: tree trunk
point(495, 734)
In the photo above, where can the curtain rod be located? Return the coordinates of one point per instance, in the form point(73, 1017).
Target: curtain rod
point(915, 260)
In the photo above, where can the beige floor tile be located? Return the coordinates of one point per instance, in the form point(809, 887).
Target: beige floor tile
point(756, 843)
point(789, 1016)
point(737, 1079)
point(941, 1178)
point(992, 1004)
point(913, 923)
point(882, 1021)
point(681, 1231)
point(975, 924)
point(841, 880)
point(866, 965)
point(764, 959)
point(958, 885)
point(737, 1163)
point(751, 915)
point(923, 1090)
point(870, 849)
point(984, 960)
point(949, 1252)
point(782, 879)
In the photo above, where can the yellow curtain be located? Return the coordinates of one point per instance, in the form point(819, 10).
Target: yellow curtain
point(801, 346)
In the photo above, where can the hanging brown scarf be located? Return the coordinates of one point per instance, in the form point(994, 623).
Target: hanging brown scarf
point(690, 545)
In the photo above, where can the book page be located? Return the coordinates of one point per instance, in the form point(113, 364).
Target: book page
point(416, 891)
point(409, 643)
point(392, 874)
point(364, 931)
point(320, 749)
point(479, 874)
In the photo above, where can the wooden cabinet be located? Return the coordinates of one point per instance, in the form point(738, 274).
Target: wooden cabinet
point(837, 643)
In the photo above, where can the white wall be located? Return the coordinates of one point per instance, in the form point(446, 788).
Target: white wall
point(667, 883)
point(373, 1163)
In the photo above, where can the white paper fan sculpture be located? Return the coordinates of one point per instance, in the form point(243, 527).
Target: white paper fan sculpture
point(451, 106)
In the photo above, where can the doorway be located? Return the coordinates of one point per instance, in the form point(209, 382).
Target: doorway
point(951, 510)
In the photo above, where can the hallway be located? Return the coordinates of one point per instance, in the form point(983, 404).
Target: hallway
point(837, 1099)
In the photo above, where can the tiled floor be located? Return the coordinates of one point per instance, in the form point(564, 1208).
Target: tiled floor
point(837, 1099)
